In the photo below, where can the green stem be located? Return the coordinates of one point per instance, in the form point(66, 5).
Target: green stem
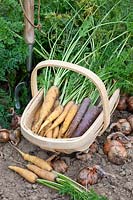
point(50, 184)
point(101, 47)
point(66, 178)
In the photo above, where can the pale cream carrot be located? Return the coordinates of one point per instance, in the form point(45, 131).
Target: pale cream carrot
point(47, 105)
point(25, 173)
point(35, 160)
point(50, 176)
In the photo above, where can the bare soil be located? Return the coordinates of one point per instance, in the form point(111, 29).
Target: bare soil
point(13, 187)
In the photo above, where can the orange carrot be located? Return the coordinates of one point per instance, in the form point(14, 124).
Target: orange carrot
point(58, 110)
point(70, 115)
point(78, 117)
point(56, 132)
point(61, 118)
point(25, 173)
point(47, 105)
point(50, 176)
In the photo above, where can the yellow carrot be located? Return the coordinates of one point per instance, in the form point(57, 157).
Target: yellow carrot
point(25, 173)
point(50, 176)
point(47, 105)
point(70, 115)
point(35, 160)
point(61, 118)
point(58, 110)
point(56, 132)
point(44, 131)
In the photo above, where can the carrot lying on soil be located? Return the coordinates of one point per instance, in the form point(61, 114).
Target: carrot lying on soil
point(78, 117)
point(56, 132)
point(47, 105)
point(61, 118)
point(87, 121)
point(25, 173)
point(35, 160)
point(68, 119)
point(50, 176)
point(58, 110)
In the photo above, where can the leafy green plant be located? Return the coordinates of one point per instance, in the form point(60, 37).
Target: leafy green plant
point(96, 35)
point(13, 53)
point(5, 103)
point(12, 49)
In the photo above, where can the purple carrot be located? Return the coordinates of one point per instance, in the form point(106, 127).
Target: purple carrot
point(78, 117)
point(88, 119)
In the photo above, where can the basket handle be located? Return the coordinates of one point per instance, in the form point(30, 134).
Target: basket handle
point(81, 70)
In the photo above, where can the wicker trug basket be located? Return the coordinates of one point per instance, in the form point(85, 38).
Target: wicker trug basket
point(68, 145)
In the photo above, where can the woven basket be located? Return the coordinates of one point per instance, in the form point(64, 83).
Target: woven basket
point(67, 145)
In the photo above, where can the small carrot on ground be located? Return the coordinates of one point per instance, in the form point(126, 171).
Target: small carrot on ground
point(58, 110)
point(42, 173)
point(35, 160)
point(69, 117)
point(61, 118)
point(25, 173)
point(47, 105)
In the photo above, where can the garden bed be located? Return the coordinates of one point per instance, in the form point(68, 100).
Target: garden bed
point(15, 188)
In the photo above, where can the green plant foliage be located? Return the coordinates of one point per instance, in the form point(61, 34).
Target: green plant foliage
point(12, 49)
point(95, 34)
point(5, 103)
point(13, 53)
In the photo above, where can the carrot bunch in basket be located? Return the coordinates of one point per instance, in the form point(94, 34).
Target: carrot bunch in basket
point(57, 118)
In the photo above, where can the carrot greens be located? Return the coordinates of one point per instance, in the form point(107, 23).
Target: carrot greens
point(71, 188)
